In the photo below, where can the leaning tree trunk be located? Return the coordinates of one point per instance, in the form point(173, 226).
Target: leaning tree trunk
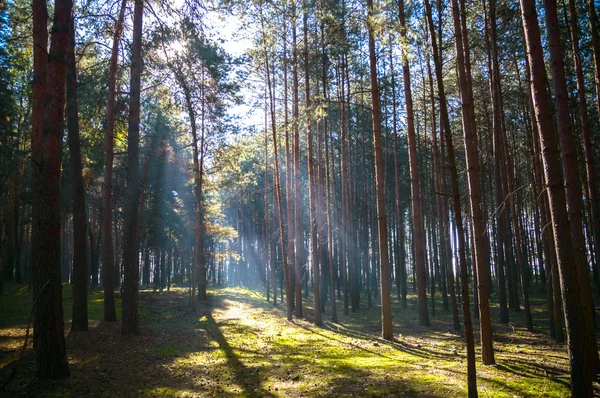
point(49, 337)
point(445, 125)
point(474, 179)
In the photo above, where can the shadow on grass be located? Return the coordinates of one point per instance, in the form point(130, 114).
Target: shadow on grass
point(251, 385)
point(207, 354)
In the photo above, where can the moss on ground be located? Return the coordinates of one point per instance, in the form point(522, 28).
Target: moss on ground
point(239, 345)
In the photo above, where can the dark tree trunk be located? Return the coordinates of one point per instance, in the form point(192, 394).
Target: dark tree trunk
point(107, 189)
point(79, 281)
point(592, 191)
point(131, 236)
point(49, 337)
point(581, 378)
point(574, 195)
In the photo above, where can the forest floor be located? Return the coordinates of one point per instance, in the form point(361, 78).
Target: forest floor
point(239, 345)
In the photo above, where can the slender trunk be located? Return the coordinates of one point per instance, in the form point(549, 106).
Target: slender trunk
point(277, 182)
point(267, 238)
point(594, 29)
point(327, 207)
point(585, 122)
point(386, 312)
point(131, 242)
point(581, 378)
point(344, 193)
point(501, 240)
point(400, 262)
point(574, 195)
point(80, 311)
point(437, 187)
point(474, 180)
point(417, 212)
point(313, 180)
point(107, 189)
point(289, 181)
point(299, 235)
point(462, 263)
point(202, 296)
point(445, 127)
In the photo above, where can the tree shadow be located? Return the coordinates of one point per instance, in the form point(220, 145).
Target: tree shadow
point(252, 386)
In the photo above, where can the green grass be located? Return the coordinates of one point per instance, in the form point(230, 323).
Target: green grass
point(17, 300)
point(240, 346)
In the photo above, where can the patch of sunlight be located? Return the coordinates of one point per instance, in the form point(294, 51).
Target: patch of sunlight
point(23, 290)
point(214, 358)
point(166, 392)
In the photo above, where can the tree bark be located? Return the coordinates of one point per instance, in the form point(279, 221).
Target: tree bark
point(417, 211)
point(80, 309)
point(386, 312)
point(474, 180)
point(445, 127)
point(131, 242)
point(313, 180)
point(585, 122)
point(299, 234)
point(110, 314)
point(49, 338)
point(288, 295)
point(581, 378)
point(574, 195)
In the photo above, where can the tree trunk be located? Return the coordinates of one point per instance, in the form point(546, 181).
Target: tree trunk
point(386, 312)
point(80, 310)
point(474, 180)
point(313, 181)
point(574, 195)
point(592, 191)
point(288, 295)
point(49, 337)
point(581, 378)
point(417, 211)
point(110, 314)
point(131, 237)
point(445, 127)
point(299, 234)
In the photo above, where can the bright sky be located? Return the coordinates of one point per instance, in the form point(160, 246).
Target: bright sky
point(235, 41)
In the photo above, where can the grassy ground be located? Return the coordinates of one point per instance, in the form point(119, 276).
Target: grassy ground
point(239, 345)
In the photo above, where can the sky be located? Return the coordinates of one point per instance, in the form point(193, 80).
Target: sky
point(235, 41)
